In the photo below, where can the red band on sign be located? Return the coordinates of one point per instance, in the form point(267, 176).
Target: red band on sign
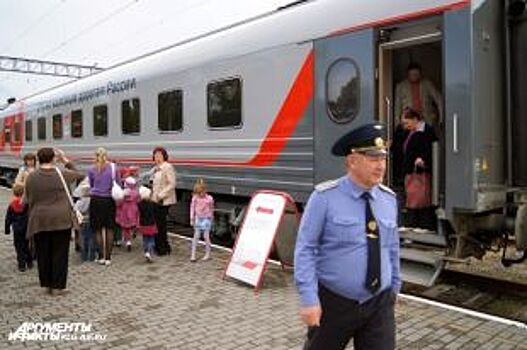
point(264, 210)
point(249, 265)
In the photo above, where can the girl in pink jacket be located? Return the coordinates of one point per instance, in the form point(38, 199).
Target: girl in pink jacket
point(127, 214)
point(201, 215)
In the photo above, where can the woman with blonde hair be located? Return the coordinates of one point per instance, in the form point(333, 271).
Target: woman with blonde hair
point(201, 216)
point(102, 206)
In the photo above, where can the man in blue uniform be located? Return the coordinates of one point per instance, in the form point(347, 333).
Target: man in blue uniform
point(347, 251)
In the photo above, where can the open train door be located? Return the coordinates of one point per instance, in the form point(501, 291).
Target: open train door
point(345, 94)
point(460, 140)
point(11, 134)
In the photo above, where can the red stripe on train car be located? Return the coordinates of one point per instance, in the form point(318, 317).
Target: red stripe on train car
point(406, 17)
point(290, 114)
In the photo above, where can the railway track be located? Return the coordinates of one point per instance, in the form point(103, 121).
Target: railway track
point(484, 294)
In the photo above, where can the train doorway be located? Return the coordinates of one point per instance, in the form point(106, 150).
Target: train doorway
point(11, 133)
point(402, 52)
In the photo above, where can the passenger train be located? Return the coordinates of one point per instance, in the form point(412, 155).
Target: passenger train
point(258, 105)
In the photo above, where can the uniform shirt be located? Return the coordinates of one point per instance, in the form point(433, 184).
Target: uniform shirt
point(332, 247)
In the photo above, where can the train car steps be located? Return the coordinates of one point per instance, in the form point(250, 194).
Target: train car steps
point(421, 267)
point(429, 238)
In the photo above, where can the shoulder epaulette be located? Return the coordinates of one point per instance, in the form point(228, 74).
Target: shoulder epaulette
point(386, 189)
point(326, 185)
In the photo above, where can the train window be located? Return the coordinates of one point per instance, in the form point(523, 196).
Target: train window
point(76, 123)
point(41, 128)
point(224, 103)
point(130, 116)
point(343, 91)
point(17, 135)
point(100, 120)
point(170, 110)
point(57, 126)
point(29, 130)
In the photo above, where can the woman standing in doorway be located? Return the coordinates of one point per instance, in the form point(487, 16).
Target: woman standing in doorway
point(417, 159)
point(163, 195)
point(102, 206)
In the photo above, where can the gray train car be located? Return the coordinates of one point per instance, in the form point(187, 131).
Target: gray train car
point(259, 104)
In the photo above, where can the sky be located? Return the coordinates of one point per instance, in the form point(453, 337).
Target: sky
point(104, 32)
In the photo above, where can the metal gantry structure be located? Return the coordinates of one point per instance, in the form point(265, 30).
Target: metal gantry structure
point(34, 66)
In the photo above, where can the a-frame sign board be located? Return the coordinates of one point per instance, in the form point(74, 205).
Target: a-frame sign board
point(257, 236)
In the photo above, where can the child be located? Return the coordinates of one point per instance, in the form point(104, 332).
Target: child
point(88, 247)
point(201, 213)
point(147, 222)
point(16, 216)
point(127, 215)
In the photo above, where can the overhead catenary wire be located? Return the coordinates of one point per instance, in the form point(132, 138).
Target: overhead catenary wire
point(124, 6)
point(32, 26)
point(90, 27)
point(147, 28)
point(150, 27)
point(211, 32)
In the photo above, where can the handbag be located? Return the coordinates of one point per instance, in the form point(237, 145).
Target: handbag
point(418, 190)
point(117, 191)
point(76, 215)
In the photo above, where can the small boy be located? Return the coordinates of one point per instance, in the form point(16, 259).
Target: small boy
point(88, 246)
point(147, 223)
point(16, 217)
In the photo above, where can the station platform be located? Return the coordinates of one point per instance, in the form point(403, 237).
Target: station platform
point(175, 304)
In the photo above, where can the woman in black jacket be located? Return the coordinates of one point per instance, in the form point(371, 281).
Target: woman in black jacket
point(417, 158)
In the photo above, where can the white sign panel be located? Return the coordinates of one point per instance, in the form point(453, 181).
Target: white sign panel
point(256, 237)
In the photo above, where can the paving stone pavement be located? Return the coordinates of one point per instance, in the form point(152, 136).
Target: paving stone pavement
point(175, 304)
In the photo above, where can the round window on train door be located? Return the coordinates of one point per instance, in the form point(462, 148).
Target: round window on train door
point(343, 90)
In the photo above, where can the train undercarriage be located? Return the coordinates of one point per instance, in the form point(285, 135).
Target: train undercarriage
point(424, 253)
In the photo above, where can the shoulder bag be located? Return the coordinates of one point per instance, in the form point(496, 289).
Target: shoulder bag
point(76, 216)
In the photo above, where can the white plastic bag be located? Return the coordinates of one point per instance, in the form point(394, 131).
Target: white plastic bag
point(117, 191)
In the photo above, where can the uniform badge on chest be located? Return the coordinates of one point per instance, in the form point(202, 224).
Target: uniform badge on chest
point(372, 227)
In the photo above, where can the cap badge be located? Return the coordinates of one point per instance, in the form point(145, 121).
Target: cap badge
point(379, 142)
point(372, 225)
